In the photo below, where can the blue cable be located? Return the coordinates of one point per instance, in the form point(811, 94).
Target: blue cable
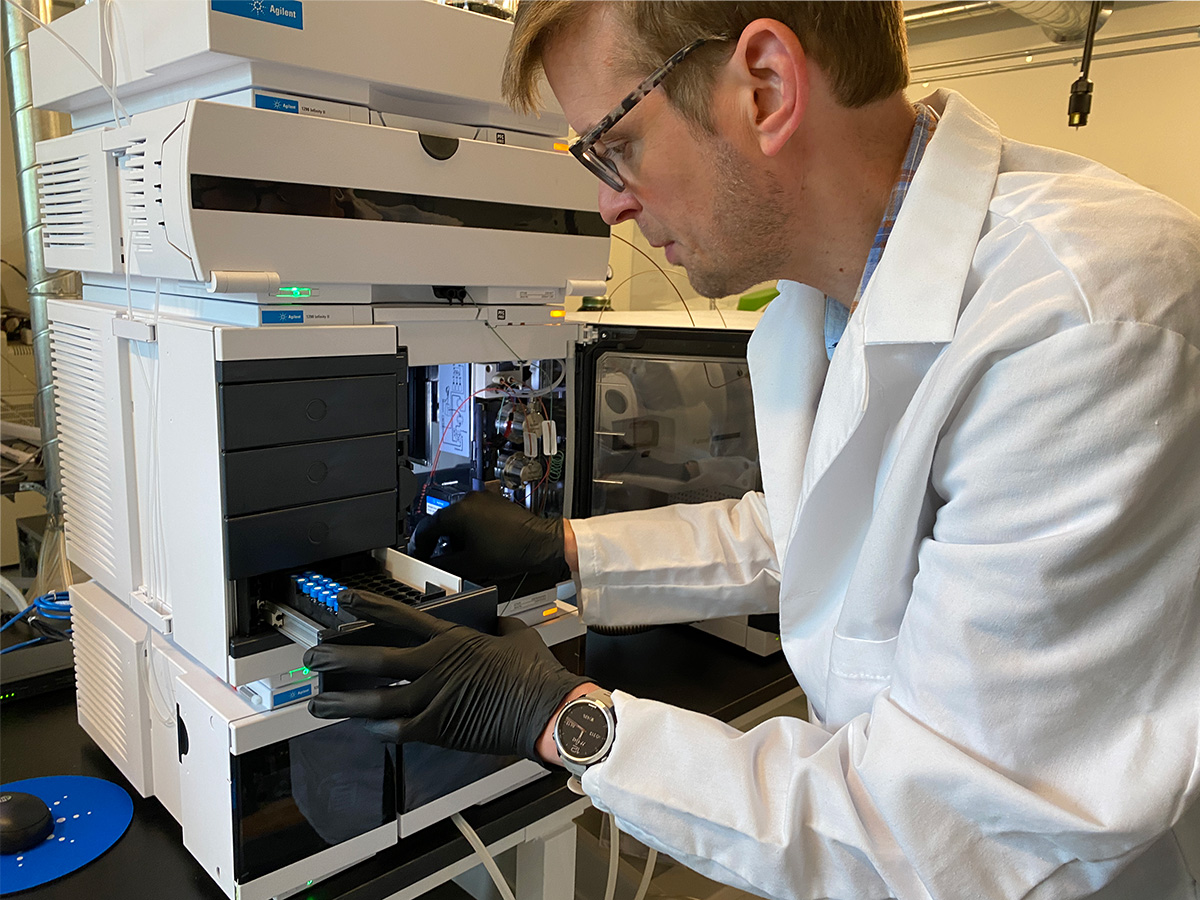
point(22, 614)
point(36, 640)
point(54, 605)
point(51, 607)
point(53, 611)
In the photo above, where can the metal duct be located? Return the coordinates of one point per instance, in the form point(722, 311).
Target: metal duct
point(29, 126)
point(939, 13)
point(1063, 22)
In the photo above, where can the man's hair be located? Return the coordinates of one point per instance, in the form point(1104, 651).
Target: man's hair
point(861, 47)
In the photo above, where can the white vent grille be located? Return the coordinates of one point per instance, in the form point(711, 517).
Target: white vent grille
point(138, 195)
point(68, 204)
point(100, 684)
point(84, 451)
point(110, 647)
point(77, 193)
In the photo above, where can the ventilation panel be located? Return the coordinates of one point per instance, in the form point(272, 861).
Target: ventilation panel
point(77, 191)
point(110, 647)
point(93, 416)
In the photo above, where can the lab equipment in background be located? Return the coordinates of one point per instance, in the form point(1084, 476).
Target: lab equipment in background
point(37, 648)
point(500, 9)
point(666, 416)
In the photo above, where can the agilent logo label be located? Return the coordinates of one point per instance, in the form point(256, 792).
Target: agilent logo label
point(282, 317)
point(279, 104)
point(278, 12)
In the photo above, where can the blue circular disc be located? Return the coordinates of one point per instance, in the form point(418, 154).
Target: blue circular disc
point(90, 815)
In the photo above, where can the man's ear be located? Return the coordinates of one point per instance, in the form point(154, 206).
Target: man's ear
point(770, 77)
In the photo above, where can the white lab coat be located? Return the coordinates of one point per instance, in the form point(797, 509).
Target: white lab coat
point(989, 530)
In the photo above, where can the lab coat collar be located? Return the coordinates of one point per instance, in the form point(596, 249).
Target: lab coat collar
point(938, 224)
point(909, 310)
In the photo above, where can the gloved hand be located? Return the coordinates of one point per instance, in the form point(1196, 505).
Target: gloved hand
point(468, 690)
point(488, 538)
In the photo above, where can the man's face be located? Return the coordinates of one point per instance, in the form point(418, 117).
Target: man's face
point(697, 195)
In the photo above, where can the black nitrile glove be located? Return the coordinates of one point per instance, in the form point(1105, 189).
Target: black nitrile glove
point(468, 690)
point(489, 538)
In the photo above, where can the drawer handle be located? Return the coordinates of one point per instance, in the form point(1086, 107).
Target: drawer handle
point(318, 532)
point(315, 410)
point(317, 472)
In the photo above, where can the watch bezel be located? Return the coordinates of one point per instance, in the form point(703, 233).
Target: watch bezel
point(606, 710)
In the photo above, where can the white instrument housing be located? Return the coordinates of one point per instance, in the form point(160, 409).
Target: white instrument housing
point(247, 200)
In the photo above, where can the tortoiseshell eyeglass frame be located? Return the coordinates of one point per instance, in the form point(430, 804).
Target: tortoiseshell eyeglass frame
point(584, 148)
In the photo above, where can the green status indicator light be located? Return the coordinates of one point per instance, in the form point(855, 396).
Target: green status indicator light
point(303, 670)
point(294, 292)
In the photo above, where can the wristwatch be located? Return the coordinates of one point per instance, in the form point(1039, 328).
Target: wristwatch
point(584, 732)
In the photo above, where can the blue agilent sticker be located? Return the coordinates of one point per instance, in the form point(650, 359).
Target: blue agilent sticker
point(278, 12)
point(294, 694)
point(433, 504)
point(282, 317)
point(280, 104)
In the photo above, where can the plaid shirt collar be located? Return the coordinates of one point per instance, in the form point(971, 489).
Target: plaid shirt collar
point(921, 133)
point(836, 315)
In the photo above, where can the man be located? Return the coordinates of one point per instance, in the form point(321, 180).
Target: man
point(981, 516)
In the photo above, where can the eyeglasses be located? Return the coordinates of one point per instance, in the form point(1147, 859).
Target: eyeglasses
point(584, 149)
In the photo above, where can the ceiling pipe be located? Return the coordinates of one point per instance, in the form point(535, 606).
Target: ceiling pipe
point(940, 70)
point(940, 13)
point(1062, 22)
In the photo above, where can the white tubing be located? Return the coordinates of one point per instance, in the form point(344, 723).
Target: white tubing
point(13, 594)
point(614, 856)
point(27, 433)
point(481, 851)
point(651, 859)
point(117, 105)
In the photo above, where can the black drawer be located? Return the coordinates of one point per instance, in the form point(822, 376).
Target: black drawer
point(289, 412)
point(275, 477)
point(286, 538)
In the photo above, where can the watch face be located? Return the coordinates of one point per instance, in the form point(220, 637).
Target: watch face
point(582, 731)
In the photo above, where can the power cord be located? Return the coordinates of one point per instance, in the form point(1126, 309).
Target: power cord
point(15, 269)
point(1079, 104)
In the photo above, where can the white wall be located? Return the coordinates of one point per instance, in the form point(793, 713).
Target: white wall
point(1145, 120)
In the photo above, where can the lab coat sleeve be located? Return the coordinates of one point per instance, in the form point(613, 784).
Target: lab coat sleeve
point(1042, 724)
point(678, 563)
